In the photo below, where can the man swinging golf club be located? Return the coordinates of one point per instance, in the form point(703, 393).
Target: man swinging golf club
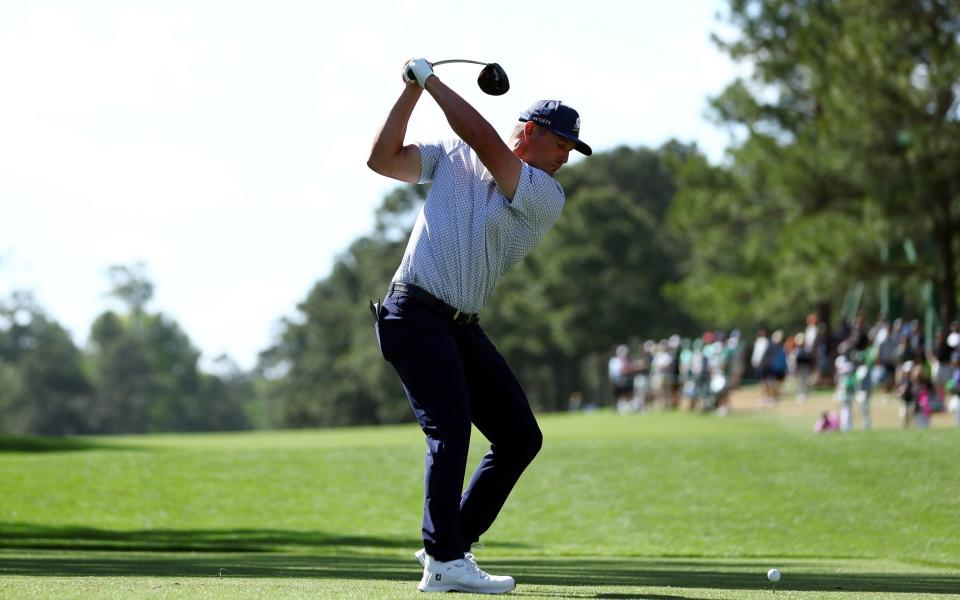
point(490, 204)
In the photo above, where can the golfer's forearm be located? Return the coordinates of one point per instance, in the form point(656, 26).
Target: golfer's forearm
point(386, 156)
point(466, 122)
point(479, 134)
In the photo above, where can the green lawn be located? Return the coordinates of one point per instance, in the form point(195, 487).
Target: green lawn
point(659, 506)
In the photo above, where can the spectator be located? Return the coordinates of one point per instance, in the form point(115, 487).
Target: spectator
point(802, 360)
point(620, 371)
point(731, 367)
point(826, 422)
point(913, 342)
point(673, 344)
point(810, 333)
point(953, 337)
point(846, 388)
point(775, 366)
point(939, 369)
point(856, 338)
point(663, 378)
point(736, 366)
point(641, 378)
point(924, 405)
point(887, 344)
point(916, 386)
point(864, 383)
point(717, 358)
point(953, 387)
point(687, 349)
point(757, 357)
point(822, 356)
point(696, 385)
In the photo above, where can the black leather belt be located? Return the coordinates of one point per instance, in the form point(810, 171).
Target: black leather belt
point(457, 316)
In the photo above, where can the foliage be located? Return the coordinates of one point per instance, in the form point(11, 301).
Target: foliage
point(43, 388)
point(140, 373)
point(852, 145)
point(594, 281)
point(847, 171)
point(146, 370)
point(331, 371)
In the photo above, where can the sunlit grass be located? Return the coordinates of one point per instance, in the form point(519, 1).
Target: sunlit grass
point(614, 505)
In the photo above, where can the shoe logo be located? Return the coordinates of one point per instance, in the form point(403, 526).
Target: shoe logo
point(437, 576)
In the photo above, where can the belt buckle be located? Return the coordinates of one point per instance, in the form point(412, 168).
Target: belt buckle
point(462, 318)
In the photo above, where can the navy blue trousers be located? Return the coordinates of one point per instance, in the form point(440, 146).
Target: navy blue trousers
point(454, 376)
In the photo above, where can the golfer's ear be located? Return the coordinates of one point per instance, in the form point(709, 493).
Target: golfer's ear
point(529, 128)
point(525, 133)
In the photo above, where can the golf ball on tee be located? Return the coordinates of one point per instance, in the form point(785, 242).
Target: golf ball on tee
point(773, 575)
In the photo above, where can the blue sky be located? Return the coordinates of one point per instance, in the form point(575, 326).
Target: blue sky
point(223, 144)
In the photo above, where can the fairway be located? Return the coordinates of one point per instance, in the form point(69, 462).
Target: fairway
point(654, 505)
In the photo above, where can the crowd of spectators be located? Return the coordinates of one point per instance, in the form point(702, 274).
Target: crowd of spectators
point(695, 373)
point(856, 360)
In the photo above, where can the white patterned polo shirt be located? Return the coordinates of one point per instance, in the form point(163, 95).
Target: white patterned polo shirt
point(468, 233)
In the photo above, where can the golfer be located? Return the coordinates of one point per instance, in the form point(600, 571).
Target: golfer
point(489, 206)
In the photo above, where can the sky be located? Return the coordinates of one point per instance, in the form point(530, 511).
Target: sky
point(223, 144)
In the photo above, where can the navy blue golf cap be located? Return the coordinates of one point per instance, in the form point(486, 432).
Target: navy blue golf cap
point(558, 118)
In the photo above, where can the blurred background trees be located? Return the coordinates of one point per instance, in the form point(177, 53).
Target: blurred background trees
point(841, 191)
point(849, 162)
point(43, 386)
point(139, 374)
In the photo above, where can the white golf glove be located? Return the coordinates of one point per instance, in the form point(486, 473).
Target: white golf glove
point(417, 69)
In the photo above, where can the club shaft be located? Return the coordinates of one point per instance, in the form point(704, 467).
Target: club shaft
point(458, 60)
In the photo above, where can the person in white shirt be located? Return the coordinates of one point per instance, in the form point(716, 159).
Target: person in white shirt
point(489, 205)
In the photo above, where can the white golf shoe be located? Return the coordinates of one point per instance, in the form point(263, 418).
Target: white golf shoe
point(421, 554)
point(460, 576)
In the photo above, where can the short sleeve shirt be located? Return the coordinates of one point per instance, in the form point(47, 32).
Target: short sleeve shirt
point(467, 233)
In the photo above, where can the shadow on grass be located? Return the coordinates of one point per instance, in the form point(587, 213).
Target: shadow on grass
point(572, 574)
point(38, 537)
point(30, 444)
point(714, 574)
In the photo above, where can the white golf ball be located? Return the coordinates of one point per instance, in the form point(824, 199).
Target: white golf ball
point(773, 575)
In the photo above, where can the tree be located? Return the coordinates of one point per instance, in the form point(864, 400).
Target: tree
point(594, 281)
point(328, 368)
point(852, 144)
point(123, 374)
point(147, 370)
point(43, 387)
point(131, 286)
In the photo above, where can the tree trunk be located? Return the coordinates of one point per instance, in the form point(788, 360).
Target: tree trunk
point(943, 228)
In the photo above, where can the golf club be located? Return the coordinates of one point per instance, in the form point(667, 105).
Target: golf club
point(492, 80)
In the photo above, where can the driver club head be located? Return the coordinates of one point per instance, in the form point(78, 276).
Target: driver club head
point(493, 80)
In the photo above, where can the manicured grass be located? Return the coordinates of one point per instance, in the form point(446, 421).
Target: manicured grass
point(652, 505)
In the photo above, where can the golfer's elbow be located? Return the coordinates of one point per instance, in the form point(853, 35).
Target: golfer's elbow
point(375, 164)
point(386, 167)
point(383, 166)
point(403, 165)
point(382, 163)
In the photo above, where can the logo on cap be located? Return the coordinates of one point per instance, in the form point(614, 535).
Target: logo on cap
point(562, 120)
